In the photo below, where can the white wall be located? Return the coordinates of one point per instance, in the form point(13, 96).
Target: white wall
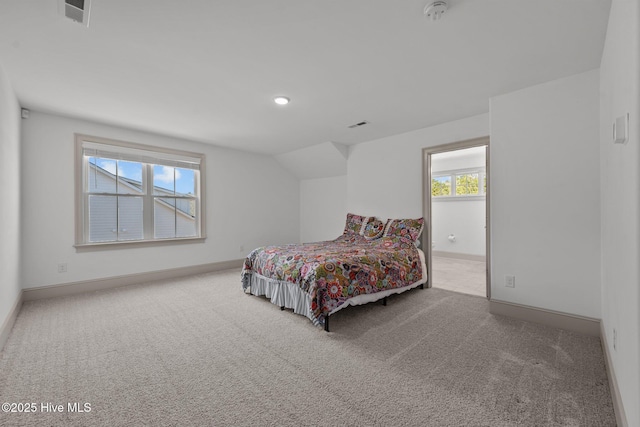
point(465, 219)
point(251, 201)
point(322, 160)
point(384, 179)
point(459, 159)
point(385, 175)
point(620, 192)
point(323, 208)
point(10, 286)
point(545, 203)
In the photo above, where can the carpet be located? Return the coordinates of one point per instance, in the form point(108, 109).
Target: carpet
point(198, 351)
point(459, 275)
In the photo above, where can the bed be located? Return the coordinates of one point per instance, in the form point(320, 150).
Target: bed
point(371, 260)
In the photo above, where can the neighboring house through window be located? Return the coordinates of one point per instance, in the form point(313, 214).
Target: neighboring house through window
point(136, 193)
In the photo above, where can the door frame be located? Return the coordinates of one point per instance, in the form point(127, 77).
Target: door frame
point(426, 197)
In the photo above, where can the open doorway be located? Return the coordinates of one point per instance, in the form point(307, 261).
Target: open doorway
point(456, 193)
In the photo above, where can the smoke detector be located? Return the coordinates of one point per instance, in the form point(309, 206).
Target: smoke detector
point(435, 10)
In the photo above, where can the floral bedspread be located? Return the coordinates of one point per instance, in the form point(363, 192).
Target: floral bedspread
point(336, 270)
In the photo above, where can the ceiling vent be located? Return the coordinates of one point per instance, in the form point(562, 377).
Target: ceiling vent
point(357, 125)
point(76, 10)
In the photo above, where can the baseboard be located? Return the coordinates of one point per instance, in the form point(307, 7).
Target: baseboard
point(556, 319)
point(75, 288)
point(456, 255)
point(618, 407)
point(8, 323)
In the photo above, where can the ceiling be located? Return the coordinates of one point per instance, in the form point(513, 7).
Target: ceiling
point(461, 152)
point(208, 70)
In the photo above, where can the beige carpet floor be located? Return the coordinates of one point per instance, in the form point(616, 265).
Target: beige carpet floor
point(198, 351)
point(460, 275)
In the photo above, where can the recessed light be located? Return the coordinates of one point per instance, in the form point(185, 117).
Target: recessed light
point(281, 100)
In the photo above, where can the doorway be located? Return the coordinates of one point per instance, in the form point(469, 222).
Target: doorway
point(456, 209)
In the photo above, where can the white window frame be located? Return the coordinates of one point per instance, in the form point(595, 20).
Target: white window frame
point(453, 174)
point(149, 156)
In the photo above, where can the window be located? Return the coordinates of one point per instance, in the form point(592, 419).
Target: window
point(467, 184)
point(136, 193)
point(441, 186)
point(459, 184)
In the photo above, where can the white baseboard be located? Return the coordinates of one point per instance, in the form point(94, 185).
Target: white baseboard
point(556, 319)
point(456, 255)
point(621, 417)
point(8, 323)
point(75, 288)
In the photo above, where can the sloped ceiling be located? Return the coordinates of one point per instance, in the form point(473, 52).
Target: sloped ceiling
point(317, 161)
point(208, 70)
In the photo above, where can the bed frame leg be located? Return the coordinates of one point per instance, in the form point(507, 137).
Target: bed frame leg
point(282, 308)
point(384, 301)
point(422, 286)
point(326, 323)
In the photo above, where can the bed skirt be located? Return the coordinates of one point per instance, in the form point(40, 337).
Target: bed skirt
point(290, 295)
point(282, 294)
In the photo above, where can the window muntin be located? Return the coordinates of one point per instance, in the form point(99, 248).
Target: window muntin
point(459, 184)
point(135, 193)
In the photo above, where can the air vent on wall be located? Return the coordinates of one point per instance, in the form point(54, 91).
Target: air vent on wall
point(357, 125)
point(76, 10)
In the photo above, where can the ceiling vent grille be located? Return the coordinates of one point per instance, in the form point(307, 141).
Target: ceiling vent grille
point(76, 10)
point(357, 125)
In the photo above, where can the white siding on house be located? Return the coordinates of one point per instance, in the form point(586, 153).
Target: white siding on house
point(165, 224)
point(114, 218)
point(130, 224)
point(173, 217)
point(103, 214)
point(100, 181)
point(185, 224)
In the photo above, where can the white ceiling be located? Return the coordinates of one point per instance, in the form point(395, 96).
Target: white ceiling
point(463, 152)
point(208, 70)
point(323, 160)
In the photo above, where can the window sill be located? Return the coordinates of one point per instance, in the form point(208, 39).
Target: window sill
point(88, 247)
point(457, 198)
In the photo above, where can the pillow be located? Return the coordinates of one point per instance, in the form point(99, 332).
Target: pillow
point(354, 223)
point(373, 228)
point(407, 228)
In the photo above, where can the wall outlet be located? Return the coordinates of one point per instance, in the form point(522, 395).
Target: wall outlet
point(62, 268)
point(615, 339)
point(241, 248)
point(510, 281)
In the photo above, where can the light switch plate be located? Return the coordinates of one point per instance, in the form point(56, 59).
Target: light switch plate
point(510, 281)
point(621, 129)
